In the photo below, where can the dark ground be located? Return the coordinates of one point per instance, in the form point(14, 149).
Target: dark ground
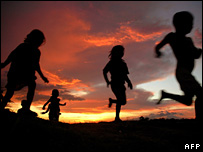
point(25, 133)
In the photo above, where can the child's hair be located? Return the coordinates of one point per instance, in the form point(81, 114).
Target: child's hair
point(182, 19)
point(117, 52)
point(35, 37)
point(55, 92)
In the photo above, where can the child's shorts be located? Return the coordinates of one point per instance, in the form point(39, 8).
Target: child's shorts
point(188, 83)
point(119, 91)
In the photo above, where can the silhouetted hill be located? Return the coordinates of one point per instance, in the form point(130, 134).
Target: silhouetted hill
point(24, 133)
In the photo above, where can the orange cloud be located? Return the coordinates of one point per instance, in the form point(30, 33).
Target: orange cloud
point(101, 41)
point(56, 80)
point(137, 36)
point(122, 35)
point(75, 86)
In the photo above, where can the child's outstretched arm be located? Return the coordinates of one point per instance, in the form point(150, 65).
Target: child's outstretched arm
point(38, 69)
point(8, 60)
point(46, 104)
point(62, 104)
point(160, 45)
point(46, 110)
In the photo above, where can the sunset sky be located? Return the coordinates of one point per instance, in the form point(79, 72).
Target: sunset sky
point(79, 36)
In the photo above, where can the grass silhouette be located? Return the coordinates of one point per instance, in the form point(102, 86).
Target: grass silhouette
point(24, 133)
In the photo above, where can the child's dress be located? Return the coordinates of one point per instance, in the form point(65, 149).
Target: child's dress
point(118, 70)
point(24, 60)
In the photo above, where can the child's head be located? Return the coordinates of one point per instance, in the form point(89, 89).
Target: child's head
point(35, 37)
point(183, 22)
point(55, 93)
point(117, 52)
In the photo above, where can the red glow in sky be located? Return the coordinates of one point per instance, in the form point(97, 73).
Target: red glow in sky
point(79, 36)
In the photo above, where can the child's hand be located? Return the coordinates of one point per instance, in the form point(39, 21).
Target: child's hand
point(158, 54)
point(64, 104)
point(45, 79)
point(130, 85)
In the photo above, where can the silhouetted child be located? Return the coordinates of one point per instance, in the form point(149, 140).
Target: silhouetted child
point(25, 109)
point(185, 53)
point(119, 74)
point(53, 108)
point(24, 62)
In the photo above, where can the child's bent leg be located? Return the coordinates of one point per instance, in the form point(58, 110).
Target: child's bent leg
point(186, 99)
point(6, 98)
point(111, 101)
point(31, 92)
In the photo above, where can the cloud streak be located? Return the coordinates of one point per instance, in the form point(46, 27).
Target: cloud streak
point(123, 35)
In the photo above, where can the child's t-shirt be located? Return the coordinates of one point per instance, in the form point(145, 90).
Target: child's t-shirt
point(118, 70)
point(25, 58)
point(54, 105)
point(184, 50)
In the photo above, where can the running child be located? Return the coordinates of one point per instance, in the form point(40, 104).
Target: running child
point(119, 75)
point(185, 53)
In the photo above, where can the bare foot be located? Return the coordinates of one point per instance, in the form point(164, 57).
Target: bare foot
point(162, 97)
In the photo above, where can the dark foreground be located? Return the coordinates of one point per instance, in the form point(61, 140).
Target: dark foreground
point(24, 133)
